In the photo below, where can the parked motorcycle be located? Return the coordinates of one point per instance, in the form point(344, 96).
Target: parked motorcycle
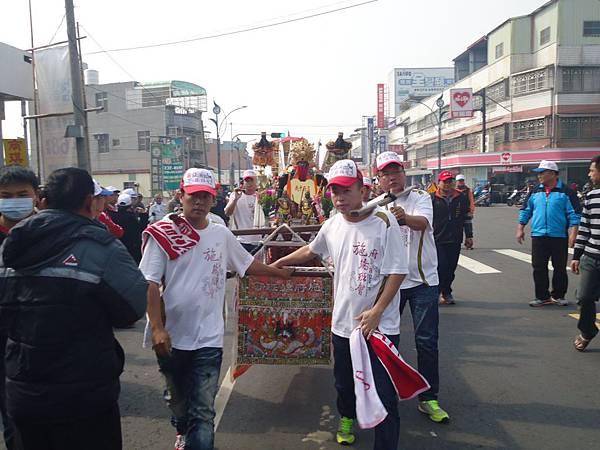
point(484, 198)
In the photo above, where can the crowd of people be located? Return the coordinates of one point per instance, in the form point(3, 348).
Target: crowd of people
point(79, 260)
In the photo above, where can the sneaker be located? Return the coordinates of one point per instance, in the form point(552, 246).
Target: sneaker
point(433, 410)
point(537, 302)
point(345, 434)
point(180, 442)
point(447, 299)
point(560, 301)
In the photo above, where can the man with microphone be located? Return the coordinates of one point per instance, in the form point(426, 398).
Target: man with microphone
point(420, 287)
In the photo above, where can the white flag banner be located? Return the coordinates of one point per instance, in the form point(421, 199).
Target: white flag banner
point(282, 165)
point(53, 77)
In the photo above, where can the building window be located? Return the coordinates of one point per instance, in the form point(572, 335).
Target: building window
point(580, 79)
point(591, 28)
point(172, 131)
point(529, 129)
point(545, 36)
point(500, 50)
point(102, 101)
point(537, 80)
point(143, 141)
point(103, 142)
point(116, 142)
point(580, 128)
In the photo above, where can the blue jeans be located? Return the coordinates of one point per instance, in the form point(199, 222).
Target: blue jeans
point(192, 379)
point(387, 433)
point(423, 301)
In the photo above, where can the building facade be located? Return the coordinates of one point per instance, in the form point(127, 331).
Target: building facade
point(540, 77)
point(132, 117)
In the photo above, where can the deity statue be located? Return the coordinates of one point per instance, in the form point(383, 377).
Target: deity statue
point(336, 151)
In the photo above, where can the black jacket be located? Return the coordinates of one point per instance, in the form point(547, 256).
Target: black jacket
point(451, 218)
point(65, 283)
point(132, 232)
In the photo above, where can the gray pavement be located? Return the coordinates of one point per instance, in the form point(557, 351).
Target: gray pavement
point(510, 378)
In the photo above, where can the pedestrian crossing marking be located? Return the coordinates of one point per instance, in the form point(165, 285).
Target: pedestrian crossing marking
point(521, 256)
point(475, 266)
point(576, 316)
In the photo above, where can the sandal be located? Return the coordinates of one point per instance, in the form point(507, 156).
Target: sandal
point(581, 343)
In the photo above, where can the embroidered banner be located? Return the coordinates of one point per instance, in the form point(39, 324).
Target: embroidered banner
point(284, 321)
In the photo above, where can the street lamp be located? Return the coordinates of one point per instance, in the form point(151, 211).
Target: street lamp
point(440, 114)
point(217, 110)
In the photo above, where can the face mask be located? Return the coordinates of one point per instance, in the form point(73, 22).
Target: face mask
point(16, 208)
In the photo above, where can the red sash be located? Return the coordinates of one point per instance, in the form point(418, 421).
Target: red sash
point(173, 234)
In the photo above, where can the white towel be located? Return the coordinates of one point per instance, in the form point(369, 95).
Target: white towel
point(370, 412)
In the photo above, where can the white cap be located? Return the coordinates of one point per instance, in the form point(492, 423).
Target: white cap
point(387, 158)
point(196, 180)
point(248, 174)
point(367, 182)
point(460, 177)
point(99, 190)
point(546, 165)
point(124, 200)
point(344, 173)
point(130, 192)
point(113, 189)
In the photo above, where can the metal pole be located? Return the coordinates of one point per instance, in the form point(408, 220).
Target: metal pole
point(237, 145)
point(218, 153)
point(1, 139)
point(439, 140)
point(86, 134)
point(38, 153)
point(484, 121)
point(83, 161)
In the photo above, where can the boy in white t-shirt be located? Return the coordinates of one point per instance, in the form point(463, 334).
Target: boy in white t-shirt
point(189, 255)
point(365, 252)
point(242, 208)
point(420, 287)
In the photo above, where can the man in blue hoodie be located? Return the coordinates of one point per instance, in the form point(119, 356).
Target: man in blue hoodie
point(555, 212)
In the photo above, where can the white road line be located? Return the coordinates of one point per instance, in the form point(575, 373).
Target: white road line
point(521, 256)
point(475, 266)
point(223, 395)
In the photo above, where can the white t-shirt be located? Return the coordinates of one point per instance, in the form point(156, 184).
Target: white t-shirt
point(243, 216)
point(362, 253)
point(156, 212)
point(216, 219)
point(194, 291)
point(423, 254)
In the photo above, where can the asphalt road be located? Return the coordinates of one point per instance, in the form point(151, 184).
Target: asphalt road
point(510, 377)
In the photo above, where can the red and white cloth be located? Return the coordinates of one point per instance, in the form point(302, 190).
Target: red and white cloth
point(407, 382)
point(173, 234)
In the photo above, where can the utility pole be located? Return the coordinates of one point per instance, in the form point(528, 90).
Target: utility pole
point(83, 157)
point(1, 139)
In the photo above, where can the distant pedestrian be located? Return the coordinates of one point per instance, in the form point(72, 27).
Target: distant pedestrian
point(368, 191)
point(188, 255)
point(554, 210)
point(132, 229)
point(220, 203)
point(174, 205)
point(586, 260)
point(18, 198)
point(451, 218)
point(157, 210)
point(242, 208)
point(102, 197)
point(67, 283)
point(462, 187)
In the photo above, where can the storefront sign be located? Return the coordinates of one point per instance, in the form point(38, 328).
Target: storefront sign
point(172, 164)
point(15, 152)
point(507, 169)
point(506, 158)
point(461, 103)
point(380, 105)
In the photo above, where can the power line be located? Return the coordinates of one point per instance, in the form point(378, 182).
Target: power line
point(230, 33)
point(58, 28)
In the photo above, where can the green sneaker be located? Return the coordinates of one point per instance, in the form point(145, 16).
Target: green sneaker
point(433, 410)
point(344, 435)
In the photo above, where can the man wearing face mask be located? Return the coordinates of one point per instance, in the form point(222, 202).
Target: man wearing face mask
point(66, 282)
point(18, 196)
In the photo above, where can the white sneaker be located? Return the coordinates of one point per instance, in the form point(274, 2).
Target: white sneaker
point(560, 301)
point(180, 442)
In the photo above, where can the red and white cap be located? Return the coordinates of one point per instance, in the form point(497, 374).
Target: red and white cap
point(344, 173)
point(445, 175)
point(198, 180)
point(367, 182)
point(248, 174)
point(386, 158)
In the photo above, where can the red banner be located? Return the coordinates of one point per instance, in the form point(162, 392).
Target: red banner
point(380, 106)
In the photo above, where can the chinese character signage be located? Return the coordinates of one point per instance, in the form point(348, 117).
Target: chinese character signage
point(15, 152)
point(461, 103)
point(380, 106)
point(172, 164)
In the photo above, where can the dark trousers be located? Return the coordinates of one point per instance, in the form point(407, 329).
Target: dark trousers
point(448, 255)
point(100, 432)
point(11, 437)
point(544, 249)
point(387, 433)
point(423, 302)
point(587, 295)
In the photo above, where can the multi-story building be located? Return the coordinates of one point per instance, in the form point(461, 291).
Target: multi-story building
point(134, 116)
point(540, 75)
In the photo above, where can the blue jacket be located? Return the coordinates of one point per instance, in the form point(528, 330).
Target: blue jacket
point(552, 215)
